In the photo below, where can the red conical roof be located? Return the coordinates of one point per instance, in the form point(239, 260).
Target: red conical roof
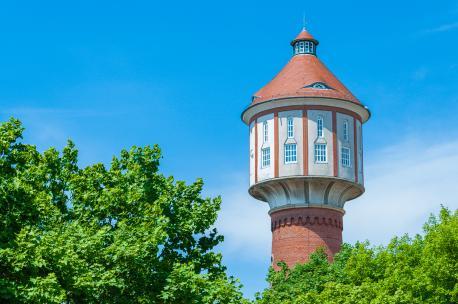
point(298, 77)
point(304, 35)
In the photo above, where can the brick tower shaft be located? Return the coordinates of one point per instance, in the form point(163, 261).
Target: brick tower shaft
point(298, 232)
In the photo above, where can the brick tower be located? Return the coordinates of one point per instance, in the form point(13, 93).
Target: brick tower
point(306, 153)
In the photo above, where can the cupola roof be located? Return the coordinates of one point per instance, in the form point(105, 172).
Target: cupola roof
point(304, 76)
point(303, 36)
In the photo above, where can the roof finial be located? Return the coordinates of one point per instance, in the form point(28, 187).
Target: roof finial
point(303, 20)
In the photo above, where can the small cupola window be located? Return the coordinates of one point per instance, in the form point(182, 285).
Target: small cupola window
point(304, 47)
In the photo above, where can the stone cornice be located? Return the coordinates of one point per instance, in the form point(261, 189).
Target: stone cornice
point(306, 217)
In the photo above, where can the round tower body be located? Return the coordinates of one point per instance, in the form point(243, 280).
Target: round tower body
point(306, 154)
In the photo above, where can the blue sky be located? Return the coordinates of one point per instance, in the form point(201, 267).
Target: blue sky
point(112, 74)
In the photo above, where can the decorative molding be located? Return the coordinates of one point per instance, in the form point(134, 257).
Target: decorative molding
point(309, 220)
point(326, 192)
point(361, 113)
point(306, 108)
point(306, 191)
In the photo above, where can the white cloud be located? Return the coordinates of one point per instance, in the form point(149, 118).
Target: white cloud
point(244, 221)
point(404, 184)
point(442, 28)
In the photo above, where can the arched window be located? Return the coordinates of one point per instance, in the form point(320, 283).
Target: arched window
point(345, 130)
point(290, 127)
point(265, 131)
point(319, 126)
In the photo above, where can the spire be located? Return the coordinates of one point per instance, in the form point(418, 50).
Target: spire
point(303, 21)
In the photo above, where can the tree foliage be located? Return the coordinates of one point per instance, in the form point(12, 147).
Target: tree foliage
point(423, 269)
point(123, 234)
point(128, 234)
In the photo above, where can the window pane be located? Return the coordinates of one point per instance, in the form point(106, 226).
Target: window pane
point(345, 157)
point(265, 157)
point(265, 128)
point(290, 127)
point(320, 153)
point(290, 153)
point(320, 126)
point(345, 130)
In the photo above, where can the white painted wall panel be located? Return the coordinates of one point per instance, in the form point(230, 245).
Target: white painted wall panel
point(291, 168)
point(318, 168)
point(267, 172)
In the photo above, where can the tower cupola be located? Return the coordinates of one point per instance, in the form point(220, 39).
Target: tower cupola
point(304, 43)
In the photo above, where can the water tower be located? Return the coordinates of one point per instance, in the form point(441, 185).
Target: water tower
point(306, 153)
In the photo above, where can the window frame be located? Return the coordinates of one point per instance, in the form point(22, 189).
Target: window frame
point(307, 48)
point(290, 155)
point(301, 47)
point(345, 131)
point(345, 161)
point(320, 127)
point(320, 158)
point(304, 47)
point(265, 131)
point(265, 157)
point(319, 86)
point(290, 127)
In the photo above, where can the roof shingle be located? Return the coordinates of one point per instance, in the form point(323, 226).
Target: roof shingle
point(296, 78)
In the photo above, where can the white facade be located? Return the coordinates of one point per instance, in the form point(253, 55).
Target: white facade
point(314, 168)
point(320, 168)
point(289, 182)
point(346, 142)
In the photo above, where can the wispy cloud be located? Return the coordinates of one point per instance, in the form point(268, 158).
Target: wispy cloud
point(67, 112)
point(442, 28)
point(405, 183)
point(243, 221)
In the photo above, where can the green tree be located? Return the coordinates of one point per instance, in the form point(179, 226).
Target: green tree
point(423, 269)
point(123, 234)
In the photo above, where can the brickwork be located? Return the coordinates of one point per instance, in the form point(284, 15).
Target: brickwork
point(298, 232)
